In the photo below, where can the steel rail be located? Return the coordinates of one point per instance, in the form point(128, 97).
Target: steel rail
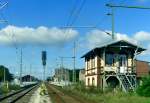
point(20, 94)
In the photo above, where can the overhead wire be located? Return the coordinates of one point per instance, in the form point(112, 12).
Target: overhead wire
point(10, 34)
point(66, 30)
point(74, 14)
point(102, 20)
point(78, 12)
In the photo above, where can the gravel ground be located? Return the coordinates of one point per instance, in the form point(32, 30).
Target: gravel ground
point(37, 98)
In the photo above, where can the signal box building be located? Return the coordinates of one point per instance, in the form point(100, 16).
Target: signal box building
point(112, 64)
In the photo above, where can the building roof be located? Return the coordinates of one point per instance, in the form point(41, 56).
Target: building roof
point(126, 44)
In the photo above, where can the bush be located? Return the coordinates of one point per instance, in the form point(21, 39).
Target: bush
point(14, 87)
point(80, 87)
point(144, 89)
point(4, 89)
point(95, 95)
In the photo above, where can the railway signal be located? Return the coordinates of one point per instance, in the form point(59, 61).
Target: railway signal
point(44, 58)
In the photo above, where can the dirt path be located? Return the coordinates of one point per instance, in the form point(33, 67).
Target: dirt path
point(58, 96)
point(37, 98)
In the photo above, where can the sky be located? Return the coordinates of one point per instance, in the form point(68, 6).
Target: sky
point(37, 25)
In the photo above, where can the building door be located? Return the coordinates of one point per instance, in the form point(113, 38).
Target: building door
point(93, 81)
point(88, 81)
point(123, 63)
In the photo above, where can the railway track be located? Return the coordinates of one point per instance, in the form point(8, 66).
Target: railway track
point(17, 96)
point(58, 96)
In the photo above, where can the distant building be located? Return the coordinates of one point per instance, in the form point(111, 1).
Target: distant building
point(142, 69)
point(28, 78)
point(82, 75)
point(65, 75)
point(62, 75)
point(112, 65)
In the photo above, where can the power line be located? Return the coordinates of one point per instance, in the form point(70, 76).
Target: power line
point(122, 6)
point(78, 12)
point(11, 34)
point(78, 27)
point(72, 12)
point(2, 5)
point(101, 21)
point(126, 6)
point(12, 37)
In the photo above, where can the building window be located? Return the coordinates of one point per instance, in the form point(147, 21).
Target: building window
point(110, 59)
point(93, 81)
point(88, 63)
point(123, 60)
point(93, 62)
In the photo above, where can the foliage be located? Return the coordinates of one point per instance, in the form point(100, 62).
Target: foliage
point(8, 75)
point(95, 95)
point(4, 89)
point(144, 88)
point(82, 88)
point(14, 87)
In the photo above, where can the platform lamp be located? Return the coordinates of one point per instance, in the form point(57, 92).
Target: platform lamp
point(44, 57)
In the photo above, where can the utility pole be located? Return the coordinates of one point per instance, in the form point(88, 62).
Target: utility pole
point(30, 72)
point(128, 7)
point(121, 6)
point(113, 25)
point(74, 48)
point(62, 62)
point(21, 66)
point(74, 62)
point(112, 22)
point(2, 5)
point(62, 67)
point(4, 75)
point(63, 70)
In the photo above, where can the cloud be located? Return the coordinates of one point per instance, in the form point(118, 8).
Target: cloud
point(120, 36)
point(147, 52)
point(97, 37)
point(142, 36)
point(36, 36)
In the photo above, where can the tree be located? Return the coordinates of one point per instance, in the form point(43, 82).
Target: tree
point(144, 88)
point(8, 75)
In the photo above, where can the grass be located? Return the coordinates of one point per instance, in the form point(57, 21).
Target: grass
point(95, 95)
point(5, 90)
